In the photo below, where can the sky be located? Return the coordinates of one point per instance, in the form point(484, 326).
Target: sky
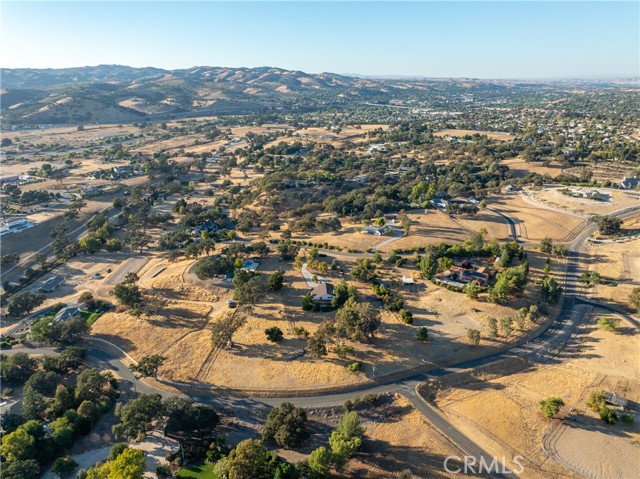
point(506, 39)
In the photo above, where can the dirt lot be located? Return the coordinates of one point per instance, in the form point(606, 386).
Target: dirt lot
point(187, 310)
point(323, 135)
point(520, 168)
point(534, 223)
point(495, 135)
point(70, 135)
point(618, 261)
point(434, 227)
point(595, 360)
point(552, 196)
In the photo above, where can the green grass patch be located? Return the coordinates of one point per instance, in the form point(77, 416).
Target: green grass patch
point(203, 470)
point(90, 317)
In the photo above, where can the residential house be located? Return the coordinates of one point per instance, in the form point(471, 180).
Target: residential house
point(469, 275)
point(376, 148)
point(323, 293)
point(587, 193)
point(208, 226)
point(359, 179)
point(631, 183)
point(375, 230)
point(51, 284)
point(249, 265)
point(67, 313)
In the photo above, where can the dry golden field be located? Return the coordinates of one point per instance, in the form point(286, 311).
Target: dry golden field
point(494, 135)
point(619, 261)
point(403, 441)
point(519, 168)
point(534, 223)
point(181, 332)
point(594, 360)
point(551, 197)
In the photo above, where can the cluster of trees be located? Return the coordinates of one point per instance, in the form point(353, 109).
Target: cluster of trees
point(24, 303)
point(26, 198)
point(321, 179)
point(58, 333)
point(286, 425)
point(183, 419)
point(597, 403)
point(607, 225)
point(122, 462)
point(354, 321)
point(9, 259)
point(98, 237)
point(230, 259)
point(547, 246)
point(461, 209)
point(509, 281)
point(69, 410)
point(551, 406)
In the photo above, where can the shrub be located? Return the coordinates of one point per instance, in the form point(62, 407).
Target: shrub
point(608, 415)
point(274, 334)
point(551, 406)
point(473, 335)
point(422, 334)
point(163, 471)
point(608, 324)
point(407, 316)
point(300, 332)
point(63, 466)
point(355, 366)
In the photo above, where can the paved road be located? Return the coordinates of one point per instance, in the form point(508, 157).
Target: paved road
point(510, 221)
point(131, 265)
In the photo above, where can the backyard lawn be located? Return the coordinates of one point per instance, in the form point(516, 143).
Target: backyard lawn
point(197, 471)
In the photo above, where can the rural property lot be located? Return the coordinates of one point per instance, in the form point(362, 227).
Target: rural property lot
point(534, 223)
point(553, 197)
point(619, 261)
point(502, 415)
point(403, 441)
point(520, 168)
point(132, 265)
point(494, 135)
point(192, 306)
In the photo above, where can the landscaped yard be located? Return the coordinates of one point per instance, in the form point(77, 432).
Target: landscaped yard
point(197, 471)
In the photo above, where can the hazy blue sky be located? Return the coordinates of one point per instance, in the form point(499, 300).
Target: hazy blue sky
point(437, 39)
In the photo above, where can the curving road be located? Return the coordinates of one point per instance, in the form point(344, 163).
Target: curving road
point(537, 349)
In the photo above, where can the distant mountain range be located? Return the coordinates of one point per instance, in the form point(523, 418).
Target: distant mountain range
point(119, 93)
point(115, 93)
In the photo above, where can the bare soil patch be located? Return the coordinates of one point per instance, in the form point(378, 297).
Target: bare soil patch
point(534, 223)
point(494, 135)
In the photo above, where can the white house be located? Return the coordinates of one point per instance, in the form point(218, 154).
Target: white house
point(374, 230)
point(323, 293)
